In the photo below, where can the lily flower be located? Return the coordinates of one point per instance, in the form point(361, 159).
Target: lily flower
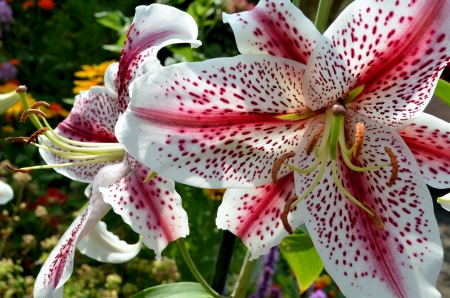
point(322, 113)
point(6, 193)
point(84, 147)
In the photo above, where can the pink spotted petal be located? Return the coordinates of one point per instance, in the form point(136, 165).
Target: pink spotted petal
point(403, 259)
point(428, 138)
point(92, 119)
point(396, 49)
point(104, 246)
point(212, 124)
point(59, 265)
point(254, 214)
point(277, 28)
point(154, 26)
point(152, 209)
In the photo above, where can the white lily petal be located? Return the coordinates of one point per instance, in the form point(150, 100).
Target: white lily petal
point(103, 246)
point(6, 193)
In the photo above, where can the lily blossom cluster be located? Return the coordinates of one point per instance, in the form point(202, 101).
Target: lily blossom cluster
point(326, 130)
point(84, 147)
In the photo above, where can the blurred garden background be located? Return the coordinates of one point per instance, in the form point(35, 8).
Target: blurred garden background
point(58, 48)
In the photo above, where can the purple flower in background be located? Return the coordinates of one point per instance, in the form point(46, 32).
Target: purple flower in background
point(7, 71)
point(265, 281)
point(5, 15)
point(318, 294)
point(275, 293)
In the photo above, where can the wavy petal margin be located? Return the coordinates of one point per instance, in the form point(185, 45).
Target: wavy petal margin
point(103, 246)
point(153, 27)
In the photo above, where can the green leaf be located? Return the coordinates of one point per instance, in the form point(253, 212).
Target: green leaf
point(112, 19)
point(299, 252)
point(443, 91)
point(175, 290)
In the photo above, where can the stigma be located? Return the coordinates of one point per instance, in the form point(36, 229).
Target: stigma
point(76, 153)
point(328, 142)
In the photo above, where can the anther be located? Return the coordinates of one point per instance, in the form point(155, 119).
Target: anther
point(284, 215)
point(394, 164)
point(338, 109)
point(21, 88)
point(359, 139)
point(277, 165)
point(40, 103)
point(314, 138)
point(36, 112)
point(375, 217)
point(17, 139)
point(18, 170)
point(34, 136)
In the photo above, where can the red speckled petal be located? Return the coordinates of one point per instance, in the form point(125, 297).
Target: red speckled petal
point(92, 119)
point(396, 49)
point(254, 214)
point(154, 26)
point(59, 265)
point(428, 138)
point(403, 259)
point(277, 28)
point(212, 124)
point(152, 209)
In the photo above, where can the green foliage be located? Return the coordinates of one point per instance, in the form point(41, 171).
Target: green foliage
point(442, 91)
point(178, 290)
point(299, 252)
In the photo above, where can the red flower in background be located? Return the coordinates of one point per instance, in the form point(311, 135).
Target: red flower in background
point(46, 4)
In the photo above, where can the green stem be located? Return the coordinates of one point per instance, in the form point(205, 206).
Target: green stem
point(197, 275)
point(223, 260)
point(323, 12)
point(244, 276)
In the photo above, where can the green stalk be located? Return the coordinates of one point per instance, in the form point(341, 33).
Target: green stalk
point(223, 260)
point(197, 275)
point(244, 276)
point(323, 12)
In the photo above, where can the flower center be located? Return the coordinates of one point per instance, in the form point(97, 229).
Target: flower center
point(333, 139)
point(77, 153)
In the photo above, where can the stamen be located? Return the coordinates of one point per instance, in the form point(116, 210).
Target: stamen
point(277, 165)
point(40, 103)
point(359, 139)
point(394, 164)
point(314, 138)
point(375, 217)
point(17, 139)
point(284, 215)
point(18, 170)
point(34, 136)
point(36, 112)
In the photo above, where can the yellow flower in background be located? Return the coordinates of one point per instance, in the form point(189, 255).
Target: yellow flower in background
point(322, 281)
point(92, 75)
point(17, 109)
point(8, 87)
point(215, 194)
